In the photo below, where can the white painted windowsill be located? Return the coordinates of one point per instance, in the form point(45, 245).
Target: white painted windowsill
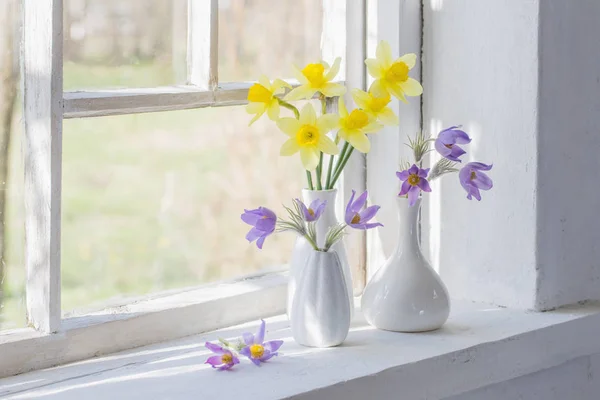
point(479, 345)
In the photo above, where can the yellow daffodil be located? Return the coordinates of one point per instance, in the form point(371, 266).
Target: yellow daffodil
point(355, 125)
point(261, 98)
point(308, 135)
point(392, 76)
point(316, 78)
point(376, 107)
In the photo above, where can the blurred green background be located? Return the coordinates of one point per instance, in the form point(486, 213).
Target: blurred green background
point(152, 201)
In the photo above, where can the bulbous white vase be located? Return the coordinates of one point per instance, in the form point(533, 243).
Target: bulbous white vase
point(320, 310)
point(302, 249)
point(406, 294)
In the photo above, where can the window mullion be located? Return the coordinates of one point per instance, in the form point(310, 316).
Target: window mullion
point(42, 148)
point(203, 43)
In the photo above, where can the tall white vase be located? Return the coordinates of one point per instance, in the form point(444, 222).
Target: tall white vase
point(406, 294)
point(302, 249)
point(320, 311)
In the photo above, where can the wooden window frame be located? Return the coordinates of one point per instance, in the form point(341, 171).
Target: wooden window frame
point(51, 340)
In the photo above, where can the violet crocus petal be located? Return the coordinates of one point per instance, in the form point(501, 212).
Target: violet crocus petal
point(360, 202)
point(268, 213)
point(267, 356)
point(423, 173)
point(405, 188)
point(424, 185)
point(402, 175)
point(304, 210)
point(413, 195)
point(261, 241)
point(373, 225)
point(254, 234)
point(266, 225)
point(456, 152)
point(215, 348)
point(273, 345)
point(315, 204)
point(464, 175)
point(413, 170)
point(214, 361)
point(256, 361)
point(349, 213)
point(475, 193)
point(461, 137)
point(248, 338)
point(368, 213)
point(482, 181)
point(442, 149)
point(319, 210)
point(245, 352)
point(480, 166)
point(250, 217)
point(260, 335)
point(225, 367)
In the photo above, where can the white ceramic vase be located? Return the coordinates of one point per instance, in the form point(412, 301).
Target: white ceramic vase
point(302, 249)
point(406, 294)
point(320, 311)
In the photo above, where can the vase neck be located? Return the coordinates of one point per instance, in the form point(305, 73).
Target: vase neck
point(408, 226)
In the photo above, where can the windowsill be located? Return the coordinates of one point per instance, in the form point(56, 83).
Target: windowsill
point(479, 345)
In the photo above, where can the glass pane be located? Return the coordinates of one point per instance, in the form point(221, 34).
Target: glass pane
point(12, 235)
point(116, 43)
point(153, 201)
point(266, 37)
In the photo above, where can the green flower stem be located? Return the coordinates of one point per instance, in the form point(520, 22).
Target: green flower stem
point(312, 243)
point(338, 172)
point(329, 173)
point(341, 157)
point(289, 106)
point(319, 171)
point(309, 180)
point(323, 105)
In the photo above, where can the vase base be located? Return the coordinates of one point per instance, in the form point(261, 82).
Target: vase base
point(411, 330)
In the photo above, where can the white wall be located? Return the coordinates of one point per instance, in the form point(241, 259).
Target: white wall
point(480, 70)
point(575, 380)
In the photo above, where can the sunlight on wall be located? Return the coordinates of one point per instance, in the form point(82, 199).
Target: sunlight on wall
point(434, 207)
point(436, 5)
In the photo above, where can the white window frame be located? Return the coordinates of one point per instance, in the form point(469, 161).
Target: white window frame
point(52, 340)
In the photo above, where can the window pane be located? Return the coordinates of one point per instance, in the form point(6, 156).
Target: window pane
point(116, 43)
point(153, 201)
point(12, 263)
point(267, 37)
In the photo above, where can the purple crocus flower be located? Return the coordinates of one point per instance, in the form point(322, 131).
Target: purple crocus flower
point(414, 181)
point(312, 212)
point(358, 218)
point(263, 221)
point(472, 179)
point(224, 359)
point(257, 350)
point(448, 140)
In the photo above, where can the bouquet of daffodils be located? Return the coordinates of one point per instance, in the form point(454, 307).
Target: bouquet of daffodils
point(415, 179)
point(308, 133)
point(302, 220)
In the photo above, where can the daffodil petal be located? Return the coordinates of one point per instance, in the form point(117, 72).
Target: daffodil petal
point(335, 68)
point(264, 80)
point(409, 59)
point(361, 98)
point(290, 147)
point(396, 90)
point(328, 122)
point(412, 87)
point(373, 67)
point(309, 158)
point(384, 53)
point(360, 142)
point(388, 117)
point(256, 117)
point(342, 110)
point(378, 88)
point(253, 108)
point(372, 128)
point(273, 110)
point(324, 64)
point(332, 89)
point(343, 133)
point(289, 126)
point(299, 75)
point(308, 116)
point(280, 83)
point(301, 92)
point(327, 145)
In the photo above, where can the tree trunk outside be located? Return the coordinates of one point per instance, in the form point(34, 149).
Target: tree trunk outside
point(8, 92)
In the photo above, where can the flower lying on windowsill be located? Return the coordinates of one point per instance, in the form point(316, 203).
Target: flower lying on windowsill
point(251, 346)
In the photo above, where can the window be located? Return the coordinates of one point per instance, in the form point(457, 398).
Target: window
point(136, 151)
